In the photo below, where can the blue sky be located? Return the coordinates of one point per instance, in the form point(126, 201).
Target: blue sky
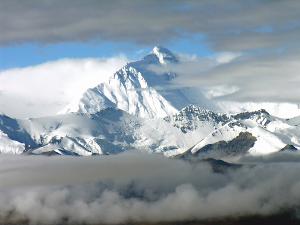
point(27, 54)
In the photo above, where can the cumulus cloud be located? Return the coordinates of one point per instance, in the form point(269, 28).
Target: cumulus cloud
point(45, 89)
point(231, 25)
point(140, 188)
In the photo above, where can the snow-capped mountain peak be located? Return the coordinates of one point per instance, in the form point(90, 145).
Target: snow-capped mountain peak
point(164, 55)
point(128, 90)
point(139, 90)
point(261, 117)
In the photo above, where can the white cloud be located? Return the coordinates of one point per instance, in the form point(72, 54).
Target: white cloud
point(237, 82)
point(226, 57)
point(221, 90)
point(259, 78)
point(45, 89)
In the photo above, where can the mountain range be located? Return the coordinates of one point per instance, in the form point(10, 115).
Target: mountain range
point(140, 109)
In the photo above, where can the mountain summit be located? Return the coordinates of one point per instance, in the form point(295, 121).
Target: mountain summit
point(164, 55)
point(139, 90)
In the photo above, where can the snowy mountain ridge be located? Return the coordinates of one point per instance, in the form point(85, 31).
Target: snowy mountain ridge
point(136, 109)
point(112, 131)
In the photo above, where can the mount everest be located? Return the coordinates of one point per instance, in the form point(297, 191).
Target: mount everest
point(138, 109)
point(138, 90)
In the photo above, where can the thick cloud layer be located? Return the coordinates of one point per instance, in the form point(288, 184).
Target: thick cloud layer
point(47, 88)
point(232, 25)
point(139, 187)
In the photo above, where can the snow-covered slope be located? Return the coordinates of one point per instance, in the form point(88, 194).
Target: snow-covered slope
point(129, 91)
point(140, 91)
point(13, 137)
point(112, 131)
point(271, 133)
point(107, 132)
point(8, 145)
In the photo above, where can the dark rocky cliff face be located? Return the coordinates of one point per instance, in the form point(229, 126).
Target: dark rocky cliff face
point(238, 146)
point(289, 148)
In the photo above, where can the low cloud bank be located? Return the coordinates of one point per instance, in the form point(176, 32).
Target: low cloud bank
point(140, 188)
